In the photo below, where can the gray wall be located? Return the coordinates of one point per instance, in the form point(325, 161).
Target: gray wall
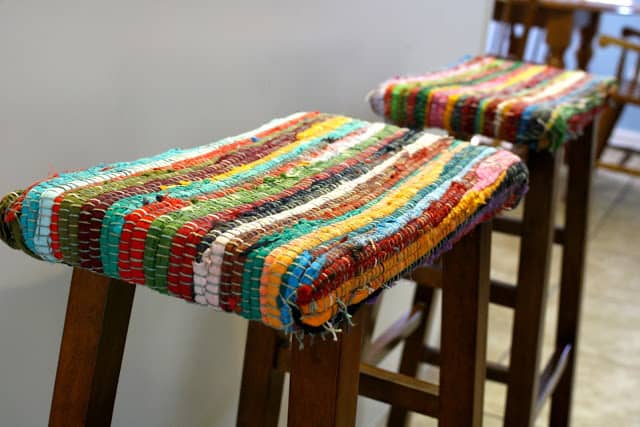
point(83, 82)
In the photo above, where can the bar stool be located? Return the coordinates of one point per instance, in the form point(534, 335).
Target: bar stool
point(539, 109)
point(295, 226)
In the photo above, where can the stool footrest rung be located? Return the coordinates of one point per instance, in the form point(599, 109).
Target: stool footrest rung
point(619, 168)
point(551, 375)
point(513, 226)
point(394, 335)
point(385, 386)
point(399, 390)
point(495, 371)
point(502, 293)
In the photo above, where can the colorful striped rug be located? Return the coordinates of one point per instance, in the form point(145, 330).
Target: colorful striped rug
point(536, 105)
point(290, 224)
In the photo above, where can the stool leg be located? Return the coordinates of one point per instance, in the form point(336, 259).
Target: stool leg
point(581, 160)
point(605, 125)
point(323, 391)
point(371, 312)
point(412, 351)
point(95, 331)
point(533, 277)
point(261, 390)
point(465, 307)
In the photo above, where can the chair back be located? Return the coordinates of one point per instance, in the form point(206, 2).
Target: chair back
point(511, 10)
point(628, 90)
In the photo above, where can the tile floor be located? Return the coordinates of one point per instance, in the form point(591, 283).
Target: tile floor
point(608, 378)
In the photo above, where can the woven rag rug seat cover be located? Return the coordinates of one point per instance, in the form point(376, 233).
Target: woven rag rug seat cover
point(537, 105)
point(291, 224)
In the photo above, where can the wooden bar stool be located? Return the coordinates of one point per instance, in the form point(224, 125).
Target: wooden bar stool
point(539, 109)
point(455, 401)
point(295, 226)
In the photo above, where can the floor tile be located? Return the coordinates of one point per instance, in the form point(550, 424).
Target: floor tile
point(612, 275)
point(619, 232)
point(607, 187)
point(606, 394)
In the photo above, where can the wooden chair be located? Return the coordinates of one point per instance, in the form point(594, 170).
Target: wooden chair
point(528, 386)
point(511, 13)
point(626, 94)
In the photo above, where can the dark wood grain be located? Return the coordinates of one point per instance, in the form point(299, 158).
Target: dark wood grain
point(465, 305)
point(502, 293)
point(585, 51)
point(95, 331)
point(533, 276)
point(581, 160)
point(262, 382)
point(513, 227)
point(410, 359)
point(399, 390)
point(323, 389)
point(495, 371)
point(370, 312)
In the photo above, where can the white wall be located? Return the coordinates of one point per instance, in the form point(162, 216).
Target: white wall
point(83, 82)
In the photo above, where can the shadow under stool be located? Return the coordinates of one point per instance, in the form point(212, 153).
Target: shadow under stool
point(296, 226)
point(542, 111)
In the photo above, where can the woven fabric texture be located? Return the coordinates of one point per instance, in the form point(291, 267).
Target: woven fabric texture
point(291, 224)
point(537, 105)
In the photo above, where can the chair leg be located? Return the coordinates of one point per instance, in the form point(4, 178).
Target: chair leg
point(581, 161)
point(465, 307)
point(533, 276)
point(323, 389)
point(261, 390)
point(412, 351)
point(605, 125)
point(95, 331)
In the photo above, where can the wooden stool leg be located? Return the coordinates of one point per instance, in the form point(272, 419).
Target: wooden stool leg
point(261, 390)
point(465, 307)
point(370, 312)
point(323, 391)
point(581, 160)
point(412, 351)
point(605, 125)
point(95, 331)
point(533, 277)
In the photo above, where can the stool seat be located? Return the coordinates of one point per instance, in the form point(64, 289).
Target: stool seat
point(536, 105)
point(290, 224)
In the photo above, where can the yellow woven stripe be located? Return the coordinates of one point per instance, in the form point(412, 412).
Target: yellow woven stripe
point(282, 257)
point(520, 75)
point(554, 86)
point(568, 79)
point(318, 312)
point(313, 132)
